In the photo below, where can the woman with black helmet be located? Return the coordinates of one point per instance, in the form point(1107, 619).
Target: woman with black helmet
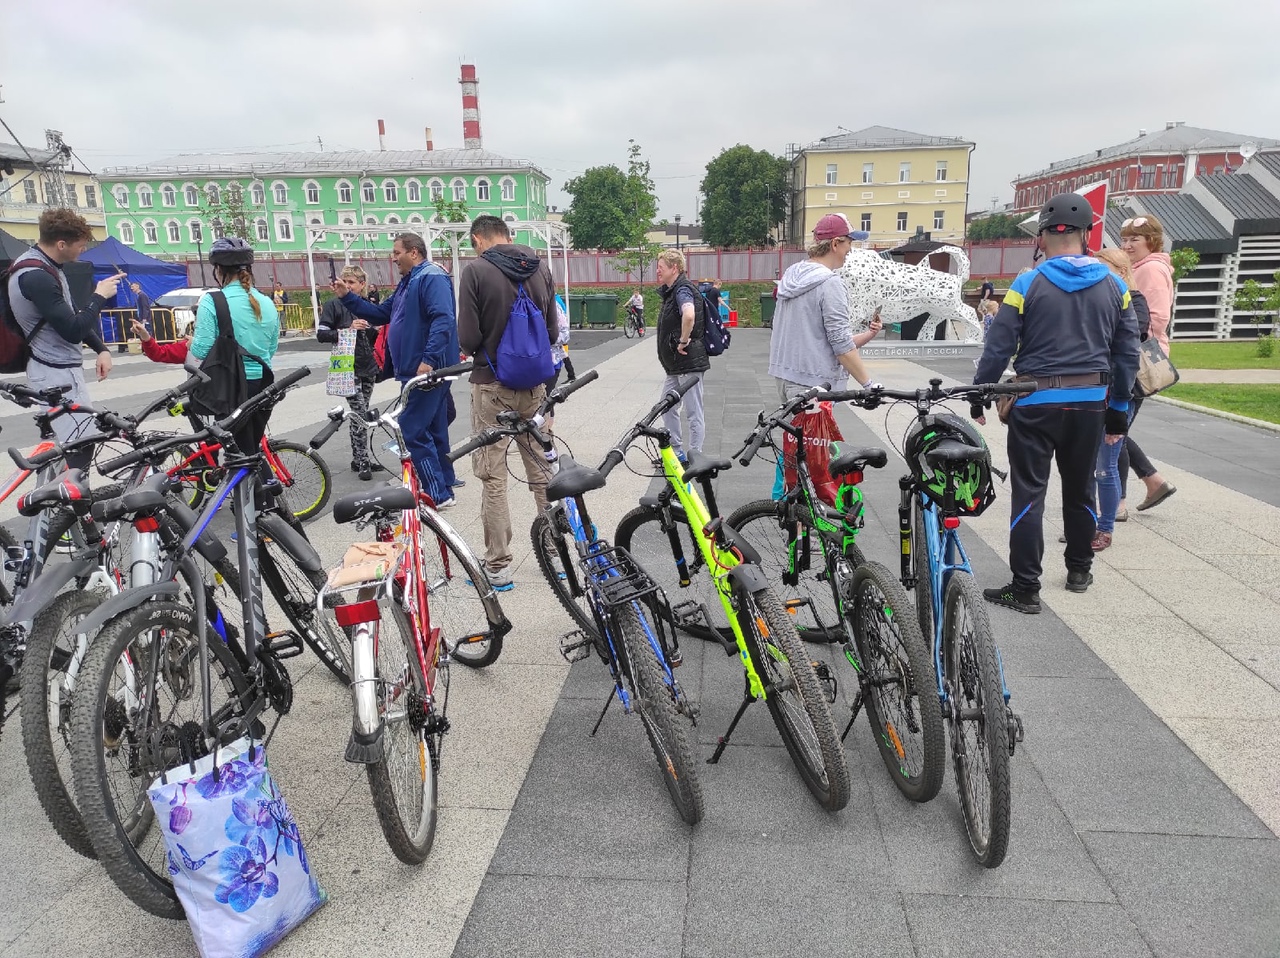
point(253, 318)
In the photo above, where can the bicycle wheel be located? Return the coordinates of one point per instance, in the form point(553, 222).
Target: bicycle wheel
point(979, 729)
point(295, 591)
point(924, 585)
point(659, 713)
point(897, 673)
point(49, 672)
point(629, 327)
point(765, 524)
point(129, 725)
point(562, 576)
point(795, 699)
point(7, 542)
point(305, 476)
point(198, 477)
point(456, 603)
point(641, 533)
point(403, 783)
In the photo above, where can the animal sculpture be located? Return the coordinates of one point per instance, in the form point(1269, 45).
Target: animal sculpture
point(903, 292)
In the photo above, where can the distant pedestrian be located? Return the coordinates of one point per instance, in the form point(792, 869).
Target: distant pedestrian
point(988, 290)
point(375, 294)
point(988, 309)
point(680, 349)
point(335, 317)
point(281, 299)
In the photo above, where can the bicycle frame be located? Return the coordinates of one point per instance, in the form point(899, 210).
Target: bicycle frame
point(207, 451)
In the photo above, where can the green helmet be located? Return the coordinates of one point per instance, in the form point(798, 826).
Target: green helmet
point(969, 477)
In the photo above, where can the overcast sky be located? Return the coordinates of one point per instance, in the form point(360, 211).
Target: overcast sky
point(567, 83)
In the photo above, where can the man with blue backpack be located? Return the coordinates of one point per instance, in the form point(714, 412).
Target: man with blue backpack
point(507, 321)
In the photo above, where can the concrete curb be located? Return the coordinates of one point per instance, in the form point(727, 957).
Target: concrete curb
point(1220, 413)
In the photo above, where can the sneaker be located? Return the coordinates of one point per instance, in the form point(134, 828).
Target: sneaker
point(446, 504)
point(355, 466)
point(458, 483)
point(1028, 603)
point(366, 473)
point(1101, 540)
point(500, 579)
point(1079, 581)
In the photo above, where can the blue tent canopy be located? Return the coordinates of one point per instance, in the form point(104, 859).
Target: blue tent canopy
point(156, 277)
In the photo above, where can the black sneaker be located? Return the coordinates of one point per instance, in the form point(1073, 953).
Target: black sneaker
point(366, 473)
point(1027, 603)
point(355, 466)
point(1079, 581)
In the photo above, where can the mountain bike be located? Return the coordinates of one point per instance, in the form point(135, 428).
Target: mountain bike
point(618, 604)
point(633, 323)
point(776, 667)
point(871, 617)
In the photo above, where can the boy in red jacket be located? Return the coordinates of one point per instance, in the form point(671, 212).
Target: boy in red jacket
point(159, 352)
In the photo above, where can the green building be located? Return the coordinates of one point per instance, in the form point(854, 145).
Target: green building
point(177, 207)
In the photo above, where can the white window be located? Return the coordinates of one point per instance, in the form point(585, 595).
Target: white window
point(216, 226)
point(904, 194)
point(868, 172)
point(150, 235)
point(831, 174)
point(940, 174)
point(29, 194)
point(413, 191)
point(126, 233)
point(902, 222)
point(168, 195)
point(284, 229)
point(390, 191)
point(191, 195)
point(393, 220)
point(144, 196)
point(213, 193)
point(72, 198)
point(482, 190)
point(508, 190)
point(122, 195)
point(938, 217)
point(234, 194)
point(196, 231)
point(865, 225)
point(370, 221)
point(312, 189)
point(344, 192)
point(91, 197)
point(280, 193)
point(459, 191)
point(174, 231)
point(368, 192)
point(260, 225)
point(437, 191)
point(259, 193)
point(415, 219)
point(867, 194)
point(904, 172)
point(832, 196)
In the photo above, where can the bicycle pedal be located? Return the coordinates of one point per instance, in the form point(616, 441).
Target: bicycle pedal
point(283, 645)
point(687, 613)
point(828, 681)
point(1016, 731)
point(675, 658)
point(575, 646)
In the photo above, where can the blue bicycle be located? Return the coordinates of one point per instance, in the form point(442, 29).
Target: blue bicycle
point(620, 611)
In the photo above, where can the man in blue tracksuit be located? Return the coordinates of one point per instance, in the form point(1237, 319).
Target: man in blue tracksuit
point(423, 337)
point(1073, 330)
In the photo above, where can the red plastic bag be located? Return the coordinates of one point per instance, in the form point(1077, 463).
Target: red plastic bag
point(821, 436)
point(382, 353)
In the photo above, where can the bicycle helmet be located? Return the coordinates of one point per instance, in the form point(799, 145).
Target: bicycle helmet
point(231, 251)
point(1066, 212)
point(968, 478)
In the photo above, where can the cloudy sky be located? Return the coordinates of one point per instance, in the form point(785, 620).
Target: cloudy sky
point(567, 83)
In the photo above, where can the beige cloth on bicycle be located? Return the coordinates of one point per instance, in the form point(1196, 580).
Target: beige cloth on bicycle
point(366, 562)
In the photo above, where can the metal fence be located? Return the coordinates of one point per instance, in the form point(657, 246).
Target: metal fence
point(117, 330)
point(1001, 258)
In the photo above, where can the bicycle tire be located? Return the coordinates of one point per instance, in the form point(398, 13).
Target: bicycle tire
point(821, 760)
point(640, 533)
point(295, 590)
point(456, 603)
point(814, 612)
point(405, 750)
point(7, 542)
point(902, 707)
point(198, 478)
point(657, 707)
point(46, 739)
point(123, 833)
point(628, 329)
point(920, 560)
point(311, 482)
point(545, 548)
point(979, 722)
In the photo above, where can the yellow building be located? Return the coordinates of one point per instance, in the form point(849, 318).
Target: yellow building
point(887, 182)
point(25, 191)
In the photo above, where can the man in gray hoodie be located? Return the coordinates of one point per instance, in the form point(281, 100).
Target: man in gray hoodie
point(812, 341)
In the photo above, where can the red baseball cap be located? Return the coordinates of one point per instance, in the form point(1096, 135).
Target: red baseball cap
point(831, 226)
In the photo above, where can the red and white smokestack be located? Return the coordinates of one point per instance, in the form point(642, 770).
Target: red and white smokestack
point(430, 146)
point(382, 132)
point(470, 108)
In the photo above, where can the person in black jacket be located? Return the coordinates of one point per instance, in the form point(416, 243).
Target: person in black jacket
point(680, 348)
point(334, 317)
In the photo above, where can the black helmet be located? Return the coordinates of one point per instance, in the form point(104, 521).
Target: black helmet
point(969, 479)
point(231, 251)
point(1066, 212)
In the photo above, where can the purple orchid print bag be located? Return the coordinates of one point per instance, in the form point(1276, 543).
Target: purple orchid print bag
point(235, 854)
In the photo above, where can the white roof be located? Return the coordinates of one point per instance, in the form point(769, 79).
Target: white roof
point(350, 162)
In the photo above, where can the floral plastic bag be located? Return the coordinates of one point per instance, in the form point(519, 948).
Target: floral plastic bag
point(821, 444)
point(342, 365)
point(235, 855)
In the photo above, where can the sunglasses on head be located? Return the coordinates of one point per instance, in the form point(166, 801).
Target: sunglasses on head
point(1135, 223)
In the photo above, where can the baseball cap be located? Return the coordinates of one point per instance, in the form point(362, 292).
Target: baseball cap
point(831, 226)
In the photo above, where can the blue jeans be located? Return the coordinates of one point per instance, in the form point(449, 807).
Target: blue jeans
point(1107, 475)
point(424, 423)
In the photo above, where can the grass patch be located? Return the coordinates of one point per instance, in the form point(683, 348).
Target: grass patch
point(1255, 400)
point(1242, 355)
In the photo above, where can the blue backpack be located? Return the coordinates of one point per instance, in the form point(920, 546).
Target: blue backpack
point(523, 359)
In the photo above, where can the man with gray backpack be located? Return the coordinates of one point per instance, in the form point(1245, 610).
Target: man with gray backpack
point(507, 322)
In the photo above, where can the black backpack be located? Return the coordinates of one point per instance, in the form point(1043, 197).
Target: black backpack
point(227, 387)
point(15, 347)
point(715, 337)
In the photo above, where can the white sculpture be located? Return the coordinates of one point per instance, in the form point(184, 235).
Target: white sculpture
point(903, 292)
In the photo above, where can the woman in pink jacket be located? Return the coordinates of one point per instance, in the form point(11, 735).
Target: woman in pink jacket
point(1142, 239)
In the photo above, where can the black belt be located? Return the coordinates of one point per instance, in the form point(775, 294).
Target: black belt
point(1070, 379)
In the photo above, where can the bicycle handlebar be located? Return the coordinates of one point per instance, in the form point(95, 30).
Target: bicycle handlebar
point(491, 435)
point(561, 393)
point(483, 438)
point(932, 395)
point(173, 395)
point(25, 396)
point(35, 462)
point(666, 403)
point(336, 418)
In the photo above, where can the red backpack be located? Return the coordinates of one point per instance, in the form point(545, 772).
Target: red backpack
point(14, 348)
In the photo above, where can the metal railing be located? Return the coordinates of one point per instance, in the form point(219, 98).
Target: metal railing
point(116, 325)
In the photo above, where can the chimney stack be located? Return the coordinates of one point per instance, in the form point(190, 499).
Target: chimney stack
point(430, 146)
point(470, 108)
point(382, 132)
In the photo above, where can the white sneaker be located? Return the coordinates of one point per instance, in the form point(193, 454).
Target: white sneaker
point(500, 579)
point(447, 504)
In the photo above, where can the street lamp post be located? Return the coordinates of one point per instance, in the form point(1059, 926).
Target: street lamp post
point(200, 255)
point(677, 232)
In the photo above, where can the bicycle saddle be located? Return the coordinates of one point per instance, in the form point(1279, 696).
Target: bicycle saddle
point(69, 488)
point(857, 460)
point(702, 466)
point(357, 505)
point(950, 451)
point(573, 480)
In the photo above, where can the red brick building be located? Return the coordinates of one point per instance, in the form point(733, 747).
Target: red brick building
point(1159, 162)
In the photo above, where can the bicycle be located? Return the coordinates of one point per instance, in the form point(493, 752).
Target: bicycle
point(633, 323)
point(622, 601)
point(873, 620)
point(776, 666)
point(950, 478)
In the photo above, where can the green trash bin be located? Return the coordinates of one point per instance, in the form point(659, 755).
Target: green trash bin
point(767, 306)
point(602, 309)
point(577, 310)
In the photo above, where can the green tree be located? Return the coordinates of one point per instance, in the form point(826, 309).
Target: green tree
point(746, 197)
point(612, 210)
point(997, 226)
point(1264, 303)
point(1185, 261)
point(228, 215)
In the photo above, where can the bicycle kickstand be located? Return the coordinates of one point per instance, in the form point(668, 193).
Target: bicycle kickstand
point(613, 693)
point(723, 742)
point(857, 707)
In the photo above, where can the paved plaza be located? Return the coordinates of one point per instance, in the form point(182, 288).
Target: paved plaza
point(1146, 797)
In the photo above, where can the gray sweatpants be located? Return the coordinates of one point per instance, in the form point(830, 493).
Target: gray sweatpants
point(692, 404)
point(70, 426)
